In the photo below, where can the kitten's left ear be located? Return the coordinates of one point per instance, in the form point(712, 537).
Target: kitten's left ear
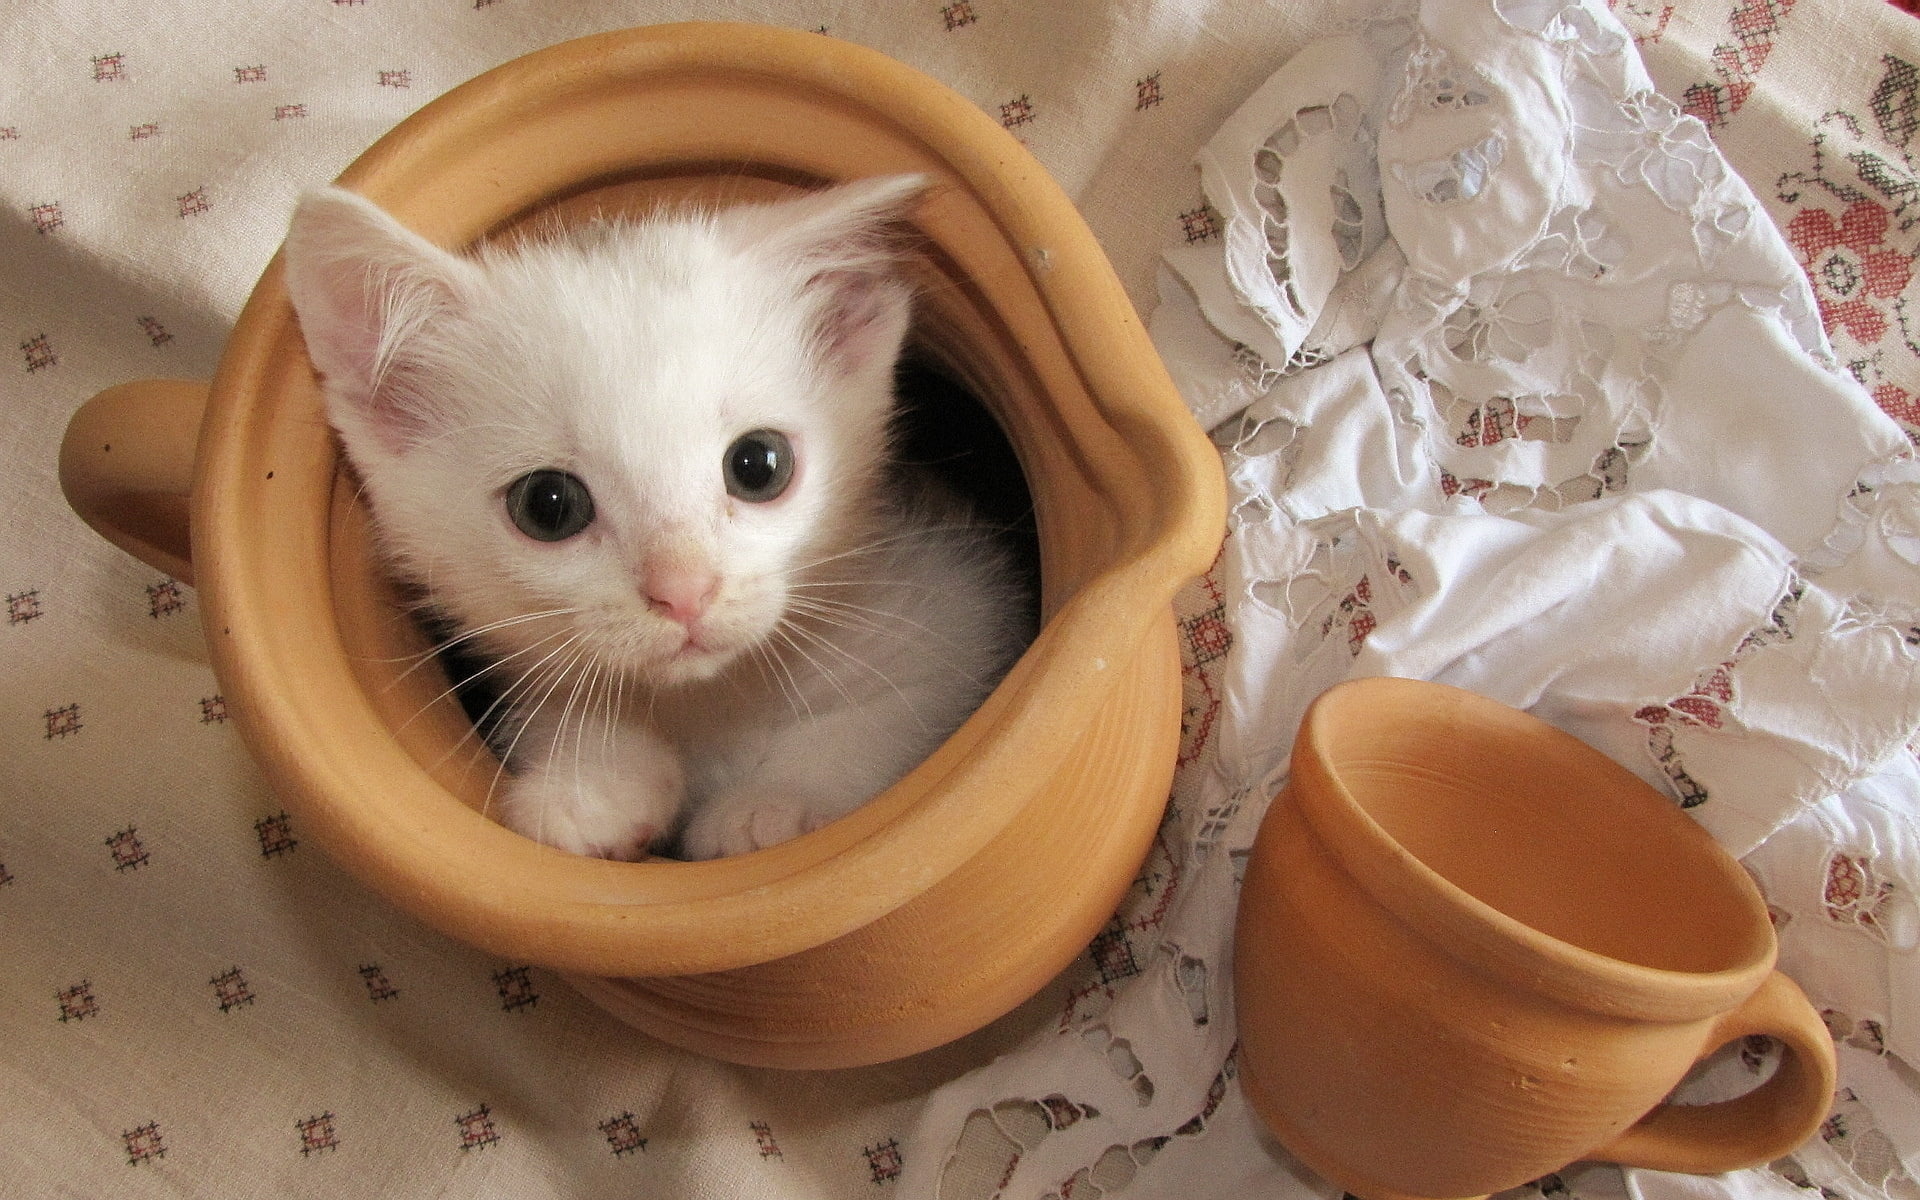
point(851, 240)
point(862, 223)
point(362, 285)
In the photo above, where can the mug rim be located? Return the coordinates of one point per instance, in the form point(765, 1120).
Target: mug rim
point(1478, 932)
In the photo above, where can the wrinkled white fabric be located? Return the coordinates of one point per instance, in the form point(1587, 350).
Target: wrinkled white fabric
point(1519, 390)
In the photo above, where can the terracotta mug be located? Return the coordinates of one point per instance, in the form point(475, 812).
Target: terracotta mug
point(948, 899)
point(1472, 950)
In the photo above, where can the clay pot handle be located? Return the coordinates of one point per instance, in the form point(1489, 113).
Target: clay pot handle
point(126, 466)
point(1766, 1123)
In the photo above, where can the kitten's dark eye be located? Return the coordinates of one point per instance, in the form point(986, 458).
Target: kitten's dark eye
point(759, 465)
point(549, 506)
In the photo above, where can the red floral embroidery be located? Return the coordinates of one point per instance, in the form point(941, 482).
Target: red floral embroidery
point(1846, 882)
point(1854, 272)
point(1700, 709)
point(1704, 705)
point(1898, 403)
point(1853, 896)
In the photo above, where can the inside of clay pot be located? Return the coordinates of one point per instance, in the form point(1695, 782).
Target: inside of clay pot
point(1568, 843)
point(956, 394)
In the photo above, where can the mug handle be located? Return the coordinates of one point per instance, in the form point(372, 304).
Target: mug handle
point(126, 467)
point(1772, 1120)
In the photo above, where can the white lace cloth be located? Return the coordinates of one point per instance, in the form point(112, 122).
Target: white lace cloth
point(1519, 390)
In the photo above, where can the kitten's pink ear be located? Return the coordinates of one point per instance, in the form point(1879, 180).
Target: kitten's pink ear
point(852, 239)
point(361, 283)
point(847, 225)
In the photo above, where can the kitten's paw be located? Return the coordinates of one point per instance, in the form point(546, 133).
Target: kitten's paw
point(735, 826)
point(616, 811)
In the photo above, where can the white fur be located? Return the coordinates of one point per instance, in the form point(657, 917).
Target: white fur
point(852, 624)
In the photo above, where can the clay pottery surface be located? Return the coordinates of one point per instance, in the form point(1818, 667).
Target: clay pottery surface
point(1472, 950)
point(923, 915)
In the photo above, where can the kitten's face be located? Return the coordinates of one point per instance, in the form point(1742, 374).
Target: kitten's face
point(623, 450)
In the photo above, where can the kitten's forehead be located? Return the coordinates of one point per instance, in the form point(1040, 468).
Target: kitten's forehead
point(673, 305)
point(640, 353)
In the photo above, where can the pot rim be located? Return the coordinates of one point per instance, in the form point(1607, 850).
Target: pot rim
point(257, 551)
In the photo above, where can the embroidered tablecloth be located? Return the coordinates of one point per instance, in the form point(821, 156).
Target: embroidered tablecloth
point(1561, 351)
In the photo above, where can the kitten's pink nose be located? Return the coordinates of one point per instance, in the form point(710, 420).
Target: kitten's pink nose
point(678, 591)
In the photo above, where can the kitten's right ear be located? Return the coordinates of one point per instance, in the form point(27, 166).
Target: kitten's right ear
point(362, 284)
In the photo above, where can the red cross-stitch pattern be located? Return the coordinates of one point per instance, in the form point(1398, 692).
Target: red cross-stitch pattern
point(515, 986)
point(1205, 640)
point(1704, 705)
point(1200, 224)
point(1471, 488)
point(275, 832)
point(144, 1143)
point(1646, 19)
point(477, 1130)
point(128, 852)
point(165, 598)
point(1112, 953)
point(24, 606)
point(231, 990)
point(1856, 210)
point(1147, 93)
point(1063, 1113)
point(623, 1134)
point(763, 1137)
point(77, 1003)
point(1862, 1033)
point(63, 722)
point(317, 1134)
point(378, 986)
point(1490, 424)
point(1755, 25)
point(1854, 268)
point(1354, 613)
point(39, 353)
point(884, 1161)
point(1853, 896)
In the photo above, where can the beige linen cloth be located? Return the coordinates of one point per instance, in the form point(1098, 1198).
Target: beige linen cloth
point(195, 1002)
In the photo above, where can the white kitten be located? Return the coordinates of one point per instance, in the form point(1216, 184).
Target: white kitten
point(647, 467)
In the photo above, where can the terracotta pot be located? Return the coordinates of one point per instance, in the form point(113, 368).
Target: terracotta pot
point(952, 896)
point(1472, 949)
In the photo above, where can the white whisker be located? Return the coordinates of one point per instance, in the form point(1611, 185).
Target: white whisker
point(491, 666)
point(826, 643)
point(525, 716)
point(864, 618)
